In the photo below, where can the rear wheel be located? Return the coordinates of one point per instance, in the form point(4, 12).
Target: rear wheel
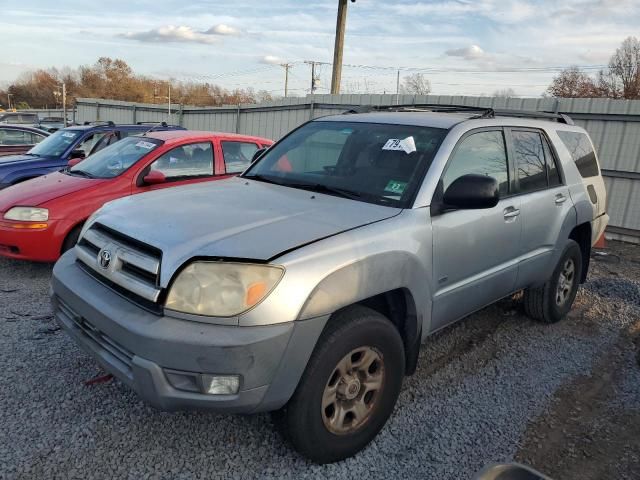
point(349, 388)
point(552, 301)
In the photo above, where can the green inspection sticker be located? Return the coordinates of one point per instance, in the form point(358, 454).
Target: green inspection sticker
point(395, 186)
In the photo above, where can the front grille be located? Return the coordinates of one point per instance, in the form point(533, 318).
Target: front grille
point(121, 261)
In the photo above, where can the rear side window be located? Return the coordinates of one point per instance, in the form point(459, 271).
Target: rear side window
point(482, 153)
point(581, 151)
point(529, 159)
point(237, 155)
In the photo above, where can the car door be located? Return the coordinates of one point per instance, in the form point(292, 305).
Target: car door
point(475, 251)
point(188, 163)
point(544, 202)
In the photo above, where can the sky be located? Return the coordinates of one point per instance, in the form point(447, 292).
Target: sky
point(463, 47)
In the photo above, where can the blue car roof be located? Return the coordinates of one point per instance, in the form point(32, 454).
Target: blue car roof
point(142, 128)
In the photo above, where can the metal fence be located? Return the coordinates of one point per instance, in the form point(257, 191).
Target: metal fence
point(614, 126)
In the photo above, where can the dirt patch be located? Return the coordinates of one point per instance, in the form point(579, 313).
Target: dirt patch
point(588, 433)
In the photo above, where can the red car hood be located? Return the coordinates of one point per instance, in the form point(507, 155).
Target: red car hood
point(43, 189)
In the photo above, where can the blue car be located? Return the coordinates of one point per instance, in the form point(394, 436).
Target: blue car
point(77, 142)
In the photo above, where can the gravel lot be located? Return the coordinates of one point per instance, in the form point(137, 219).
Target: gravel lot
point(497, 386)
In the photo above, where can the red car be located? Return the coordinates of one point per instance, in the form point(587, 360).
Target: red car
point(41, 218)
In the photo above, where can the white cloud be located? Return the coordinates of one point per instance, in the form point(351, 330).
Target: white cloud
point(172, 33)
point(222, 29)
point(271, 60)
point(472, 52)
point(183, 33)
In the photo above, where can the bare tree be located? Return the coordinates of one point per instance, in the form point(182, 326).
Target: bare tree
point(415, 84)
point(625, 65)
point(505, 93)
point(573, 83)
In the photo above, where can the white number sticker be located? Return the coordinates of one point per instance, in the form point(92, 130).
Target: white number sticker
point(147, 145)
point(68, 135)
point(408, 145)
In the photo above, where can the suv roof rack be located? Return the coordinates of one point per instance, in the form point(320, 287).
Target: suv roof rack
point(100, 122)
point(159, 124)
point(480, 112)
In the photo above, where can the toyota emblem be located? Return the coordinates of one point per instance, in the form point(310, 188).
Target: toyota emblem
point(104, 258)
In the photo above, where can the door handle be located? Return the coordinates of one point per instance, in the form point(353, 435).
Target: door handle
point(510, 212)
point(560, 199)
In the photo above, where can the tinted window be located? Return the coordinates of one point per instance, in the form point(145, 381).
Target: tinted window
point(581, 151)
point(529, 159)
point(481, 153)
point(375, 163)
point(193, 160)
point(115, 159)
point(237, 155)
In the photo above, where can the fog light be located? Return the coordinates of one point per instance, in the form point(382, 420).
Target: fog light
point(220, 384)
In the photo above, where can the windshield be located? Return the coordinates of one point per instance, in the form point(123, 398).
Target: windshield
point(375, 163)
point(55, 144)
point(116, 158)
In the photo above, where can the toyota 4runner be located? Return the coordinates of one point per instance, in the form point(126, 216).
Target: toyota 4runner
point(307, 285)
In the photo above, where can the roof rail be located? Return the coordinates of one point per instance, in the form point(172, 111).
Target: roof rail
point(160, 124)
point(418, 107)
point(100, 122)
point(480, 112)
point(558, 117)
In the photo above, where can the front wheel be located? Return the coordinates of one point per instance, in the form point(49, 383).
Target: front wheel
point(553, 300)
point(349, 388)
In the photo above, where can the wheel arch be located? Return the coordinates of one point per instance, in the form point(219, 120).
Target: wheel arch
point(383, 283)
point(581, 234)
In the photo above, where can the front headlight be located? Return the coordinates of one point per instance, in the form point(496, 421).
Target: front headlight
point(27, 214)
point(219, 289)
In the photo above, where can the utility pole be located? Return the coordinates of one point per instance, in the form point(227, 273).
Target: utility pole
point(9, 95)
point(169, 102)
point(339, 46)
point(314, 78)
point(64, 104)
point(398, 88)
point(286, 67)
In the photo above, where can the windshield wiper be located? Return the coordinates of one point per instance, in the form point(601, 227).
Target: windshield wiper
point(321, 188)
point(80, 173)
point(262, 178)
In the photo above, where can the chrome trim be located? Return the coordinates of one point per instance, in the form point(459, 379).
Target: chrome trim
point(121, 254)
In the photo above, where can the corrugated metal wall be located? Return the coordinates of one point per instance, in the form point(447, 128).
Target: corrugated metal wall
point(614, 126)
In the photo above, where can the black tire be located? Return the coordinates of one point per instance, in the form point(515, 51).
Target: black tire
point(71, 239)
point(541, 303)
point(302, 420)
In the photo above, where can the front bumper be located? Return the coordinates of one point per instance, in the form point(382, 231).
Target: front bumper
point(140, 348)
point(40, 245)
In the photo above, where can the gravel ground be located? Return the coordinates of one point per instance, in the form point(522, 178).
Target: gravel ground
point(488, 389)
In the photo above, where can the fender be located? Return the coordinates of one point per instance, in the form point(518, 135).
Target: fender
point(379, 274)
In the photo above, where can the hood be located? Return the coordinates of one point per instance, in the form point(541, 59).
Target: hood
point(37, 191)
point(14, 159)
point(234, 218)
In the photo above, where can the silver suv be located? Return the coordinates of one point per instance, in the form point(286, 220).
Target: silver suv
point(307, 284)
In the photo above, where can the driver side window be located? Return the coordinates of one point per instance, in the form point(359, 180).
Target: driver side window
point(482, 153)
point(186, 161)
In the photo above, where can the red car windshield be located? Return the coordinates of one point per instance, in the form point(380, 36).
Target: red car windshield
point(115, 159)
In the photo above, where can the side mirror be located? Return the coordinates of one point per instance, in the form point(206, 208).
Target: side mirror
point(258, 153)
point(154, 177)
point(77, 154)
point(472, 192)
point(74, 161)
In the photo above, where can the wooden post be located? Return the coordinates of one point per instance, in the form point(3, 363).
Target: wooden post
point(339, 46)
